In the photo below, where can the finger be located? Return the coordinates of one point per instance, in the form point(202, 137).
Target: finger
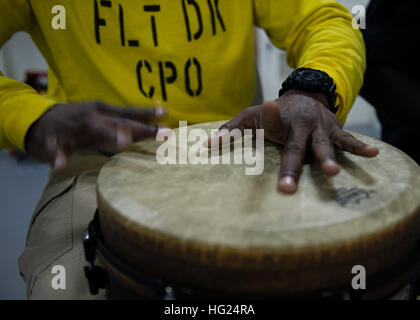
point(248, 119)
point(137, 114)
point(292, 160)
point(324, 152)
point(54, 154)
point(106, 135)
point(139, 131)
point(50, 151)
point(60, 161)
point(115, 134)
point(347, 142)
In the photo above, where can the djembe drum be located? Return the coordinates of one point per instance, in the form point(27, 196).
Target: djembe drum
point(205, 231)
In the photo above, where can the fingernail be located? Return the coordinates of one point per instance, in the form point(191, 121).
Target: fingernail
point(330, 167)
point(288, 185)
point(165, 132)
point(330, 163)
point(59, 161)
point(158, 103)
point(123, 139)
point(160, 111)
point(287, 181)
point(373, 151)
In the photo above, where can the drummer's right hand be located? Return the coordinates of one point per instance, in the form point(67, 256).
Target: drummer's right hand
point(66, 128)
point(304, 125)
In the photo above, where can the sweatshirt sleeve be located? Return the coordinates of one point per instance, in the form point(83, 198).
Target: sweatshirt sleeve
point(317, 34)
point(20, 105)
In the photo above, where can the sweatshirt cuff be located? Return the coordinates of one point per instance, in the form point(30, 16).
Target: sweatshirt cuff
point(29, 108)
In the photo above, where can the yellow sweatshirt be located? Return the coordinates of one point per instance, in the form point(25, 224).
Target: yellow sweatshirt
point(194, 56)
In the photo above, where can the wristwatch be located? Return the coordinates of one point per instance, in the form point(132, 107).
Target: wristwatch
point(312, 80)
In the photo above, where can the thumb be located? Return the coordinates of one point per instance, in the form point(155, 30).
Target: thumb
point(276, 125)
point(56, 156)
point(60, 161)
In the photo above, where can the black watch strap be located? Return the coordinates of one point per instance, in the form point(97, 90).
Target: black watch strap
point(312, 80)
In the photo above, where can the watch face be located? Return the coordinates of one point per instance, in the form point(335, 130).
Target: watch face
point(310, 75)
point(314, 81)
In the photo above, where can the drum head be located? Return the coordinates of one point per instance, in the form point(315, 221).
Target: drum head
point(214, 227)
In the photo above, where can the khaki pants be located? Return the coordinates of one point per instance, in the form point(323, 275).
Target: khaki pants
point(56, 229)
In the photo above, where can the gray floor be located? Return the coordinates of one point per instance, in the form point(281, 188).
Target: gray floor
point(21, 185)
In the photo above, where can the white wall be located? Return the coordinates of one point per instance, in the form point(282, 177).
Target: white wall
point(20, 54)
point(1, 61)
point(350, 3)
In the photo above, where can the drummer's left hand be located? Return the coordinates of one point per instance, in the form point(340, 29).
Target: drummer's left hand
point(301, 122)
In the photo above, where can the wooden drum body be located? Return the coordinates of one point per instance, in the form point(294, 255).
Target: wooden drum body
point(212, 228)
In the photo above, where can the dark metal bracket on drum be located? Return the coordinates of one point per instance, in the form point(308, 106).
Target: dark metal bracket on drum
point(98, 278)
